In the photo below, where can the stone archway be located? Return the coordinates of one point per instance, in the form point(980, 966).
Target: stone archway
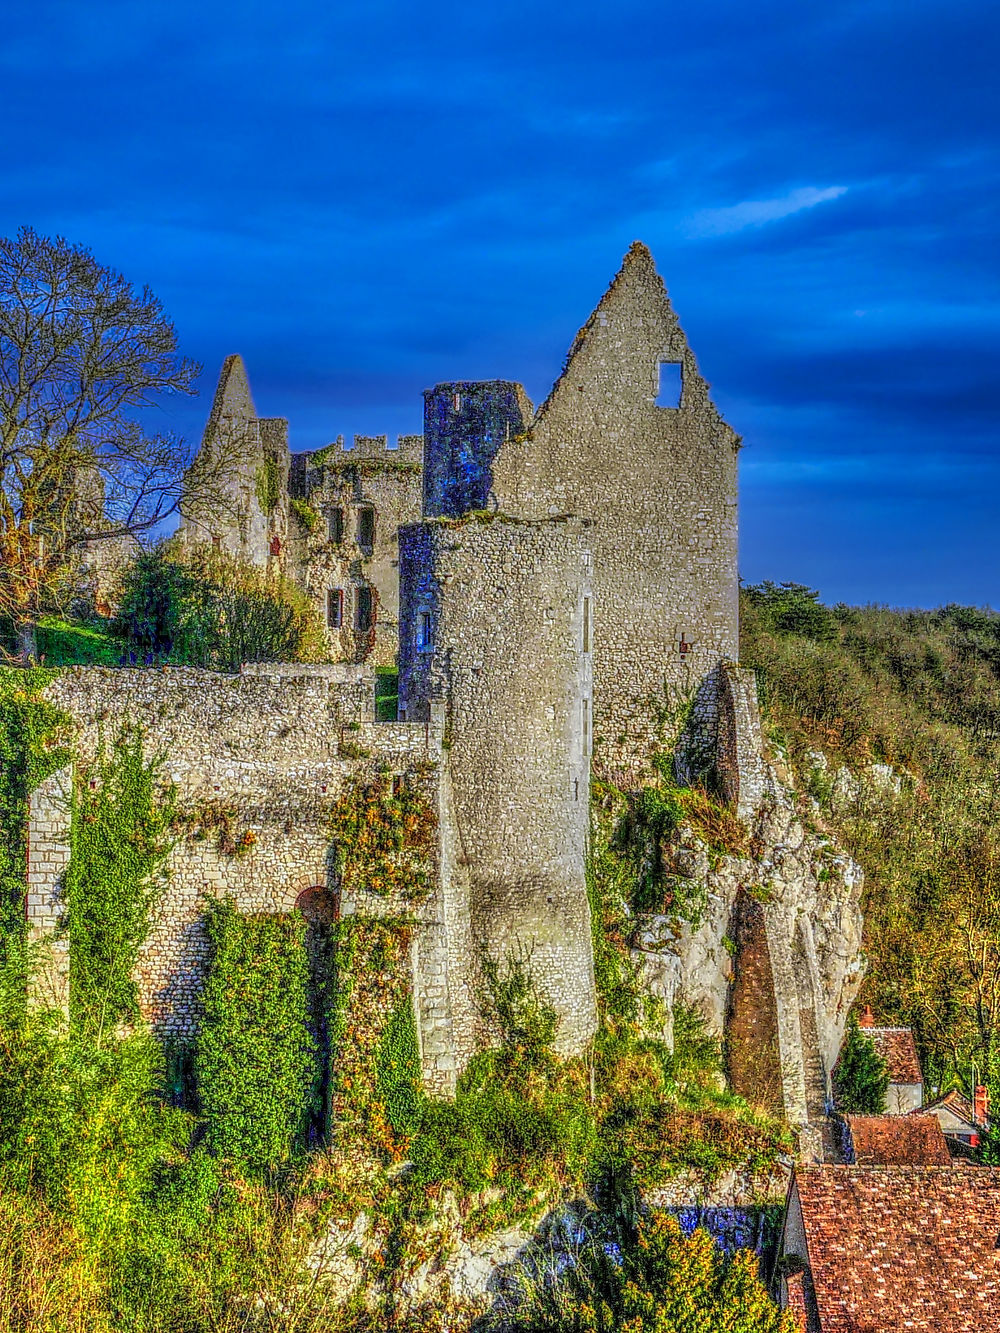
point(320, 907)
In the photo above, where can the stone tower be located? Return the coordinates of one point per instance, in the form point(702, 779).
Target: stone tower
point(465, 424)
point(495, 645)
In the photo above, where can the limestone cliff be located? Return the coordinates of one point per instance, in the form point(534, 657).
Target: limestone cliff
point(773, 961)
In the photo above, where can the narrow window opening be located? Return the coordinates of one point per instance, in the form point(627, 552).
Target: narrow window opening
point(425, 639)
point(586, 726)
point(586, 624)
point(366, 528)
point(336, 526)
point(669, 384)
point(457, 402)
point(363, 617)
point(335, 607)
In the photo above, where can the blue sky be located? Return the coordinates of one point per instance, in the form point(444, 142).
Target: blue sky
point(366, 198)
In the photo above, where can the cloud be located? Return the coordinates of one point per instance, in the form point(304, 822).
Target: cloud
point(758, 212)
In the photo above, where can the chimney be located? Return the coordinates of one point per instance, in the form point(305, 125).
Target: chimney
point(981, 1105)
point(867, 1019)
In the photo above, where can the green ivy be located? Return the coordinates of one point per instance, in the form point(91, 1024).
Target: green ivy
point(305, 513)
point(269, 484)
point(255, 1057)
point(384, 835)
point(397, 1067)
point(375, 1063)
point(119, 841)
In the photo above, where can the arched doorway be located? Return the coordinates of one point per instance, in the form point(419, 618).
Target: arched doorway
point(320, 907)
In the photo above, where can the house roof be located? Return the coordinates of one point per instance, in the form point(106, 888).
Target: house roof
point(903, 1247)
point(959, 1106)
point(897, 1049)
point(956, 1102)
point(897, 1140)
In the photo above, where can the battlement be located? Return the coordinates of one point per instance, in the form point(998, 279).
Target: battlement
point(408, 451)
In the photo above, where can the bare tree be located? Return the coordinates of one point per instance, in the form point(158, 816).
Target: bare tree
point(81, 351)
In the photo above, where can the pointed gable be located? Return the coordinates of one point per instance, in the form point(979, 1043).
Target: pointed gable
point(633, 324)
point(658, 481)
point(233, 399)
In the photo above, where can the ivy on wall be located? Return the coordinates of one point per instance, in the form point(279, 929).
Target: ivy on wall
point(120, 838)
point(384, 835)
point(32, 736)
point(375, 1063)
point(255, 1057)
point(269, 484)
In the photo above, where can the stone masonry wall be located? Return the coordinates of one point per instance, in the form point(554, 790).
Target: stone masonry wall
point(660, 486)
point(340, 485)
point(493, 643)
point(259, 755)
point(47, 846)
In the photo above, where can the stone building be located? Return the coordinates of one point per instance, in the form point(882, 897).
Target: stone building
point(548, 584)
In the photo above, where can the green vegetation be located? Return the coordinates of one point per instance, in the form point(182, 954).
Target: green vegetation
point(383, 832)
point(645, 1276)
point(861, 1080)
point(305, 513)
point(119, 840)
point(77, 643)
point(206, 609)
point(254, 1056)
point(386, 694)
point(918, 690)
point(268, 481)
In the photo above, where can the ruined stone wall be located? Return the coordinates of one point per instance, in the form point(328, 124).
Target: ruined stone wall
point(659, 484)
point(258, 762)
point(465, 423)
point(492, 642)
point(341, 487)
point(223, 490)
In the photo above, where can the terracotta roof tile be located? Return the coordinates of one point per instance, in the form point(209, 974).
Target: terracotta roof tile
point(897, 1049)
point(897, 1140)
point(903, 1248)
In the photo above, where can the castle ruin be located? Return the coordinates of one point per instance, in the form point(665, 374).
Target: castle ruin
point(545, 582)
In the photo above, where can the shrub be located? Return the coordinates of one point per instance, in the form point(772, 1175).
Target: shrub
point(206, 609)
point(254, 1056)
point(647, 1277)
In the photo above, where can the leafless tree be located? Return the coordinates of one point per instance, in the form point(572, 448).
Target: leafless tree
point(81, 353)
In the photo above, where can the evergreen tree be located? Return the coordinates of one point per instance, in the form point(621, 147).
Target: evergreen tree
point(861, 1080)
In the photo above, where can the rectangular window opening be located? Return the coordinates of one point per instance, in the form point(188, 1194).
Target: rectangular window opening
point(457, 402)
point(366, 528)
point(586, 624)
point(425, 637)
point(363, 616)
point(336, 526)
point(586, 726)
point(335, 607)
point(669, 384)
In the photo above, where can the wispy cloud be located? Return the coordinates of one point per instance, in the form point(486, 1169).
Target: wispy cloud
point(758, 212)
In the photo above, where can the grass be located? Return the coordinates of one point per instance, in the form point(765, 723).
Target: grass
point(77, 643)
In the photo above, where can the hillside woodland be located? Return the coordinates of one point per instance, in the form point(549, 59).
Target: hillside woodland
point(207, 1187)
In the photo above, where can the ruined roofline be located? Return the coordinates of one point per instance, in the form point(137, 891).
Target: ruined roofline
point(638, 258)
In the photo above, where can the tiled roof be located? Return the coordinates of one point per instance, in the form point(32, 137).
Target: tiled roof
point(956, 1103)
point(896, 1047)
point(894, 1248)
point(897, 1140)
